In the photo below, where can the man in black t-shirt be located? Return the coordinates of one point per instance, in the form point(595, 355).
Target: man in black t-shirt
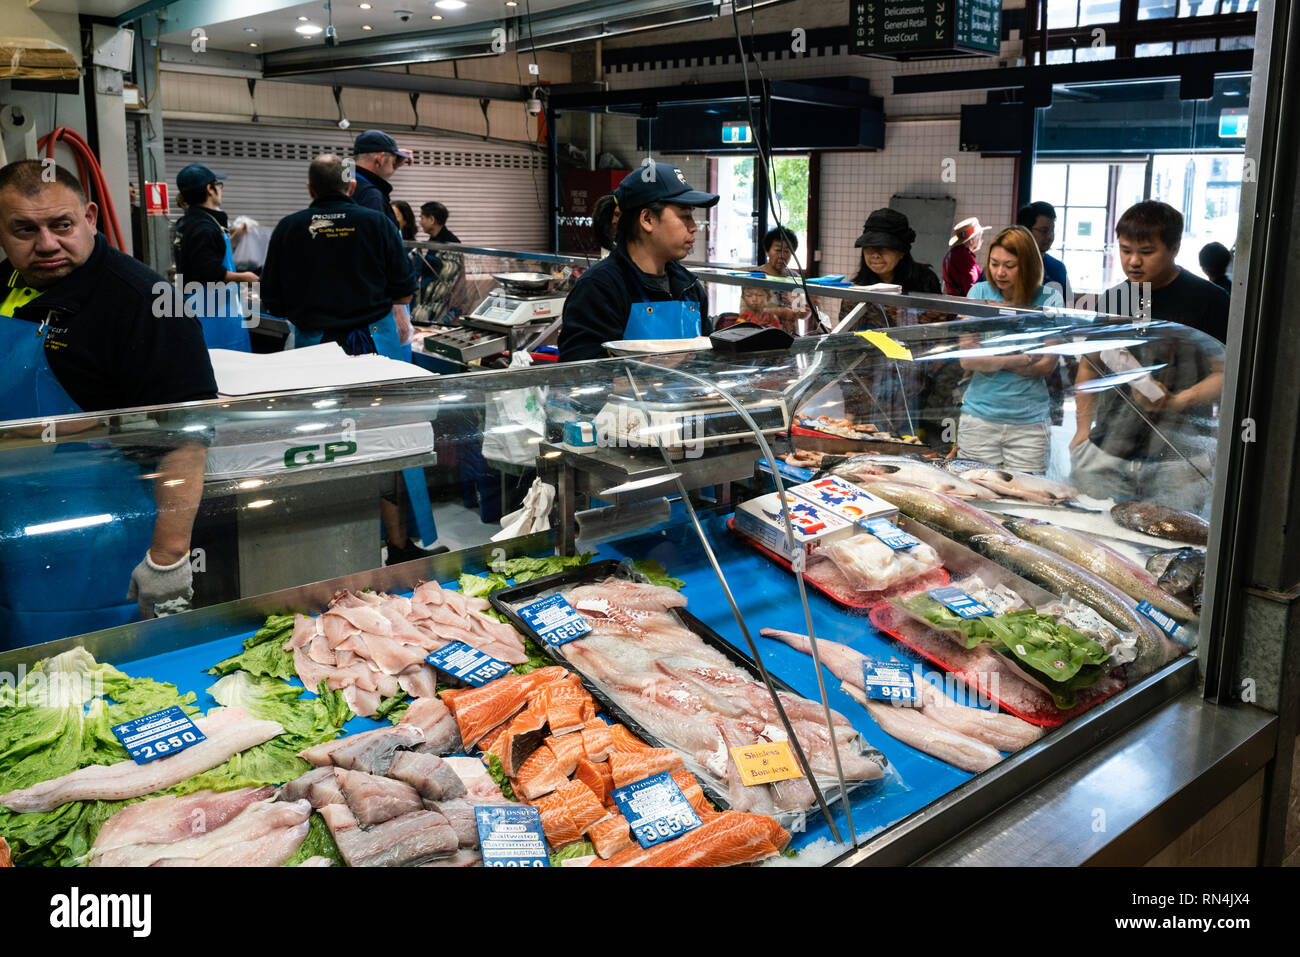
point(1153, 437)
point(86, 328)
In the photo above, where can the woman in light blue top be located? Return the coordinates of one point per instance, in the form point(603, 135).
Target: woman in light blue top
point(1006, 414)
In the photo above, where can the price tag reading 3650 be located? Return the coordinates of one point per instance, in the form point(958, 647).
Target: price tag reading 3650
point(656, 809)
point(554, 620)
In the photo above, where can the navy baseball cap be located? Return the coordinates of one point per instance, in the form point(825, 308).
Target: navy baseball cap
point(196, 176)
point(659, 182)
point(377, 141)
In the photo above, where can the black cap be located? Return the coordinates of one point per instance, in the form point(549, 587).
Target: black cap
point(196, 176)
point(888, 228)
point(659, 182)
point(377, 141)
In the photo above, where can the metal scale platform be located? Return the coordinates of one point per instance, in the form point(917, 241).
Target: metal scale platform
point(521, 313)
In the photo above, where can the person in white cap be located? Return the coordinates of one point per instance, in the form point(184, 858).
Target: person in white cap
point(960, 268)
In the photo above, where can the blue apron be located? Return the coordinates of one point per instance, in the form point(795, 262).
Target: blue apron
point(56, 583)
point(377, 337)
point(672, 319)
point(223, 327)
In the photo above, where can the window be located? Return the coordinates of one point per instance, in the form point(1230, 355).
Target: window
point(1197, 8)
point(1098, 11)
point(1236, 43)
point(1154, 49)
point(1093, 53)
point(1196, 46)
point(1156, 9)
point(1089, 197)
point(1062, 14)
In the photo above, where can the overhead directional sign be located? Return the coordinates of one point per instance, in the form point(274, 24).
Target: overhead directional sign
point(908, 27)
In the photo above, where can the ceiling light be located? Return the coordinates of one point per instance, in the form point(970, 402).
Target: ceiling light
point(302, 19)
point(364, 6)
point(250, 29)
point(511, 3)
point(252, 44)
point(450, 4)
point(366, 26)
point(307, 29)
point(436, 17)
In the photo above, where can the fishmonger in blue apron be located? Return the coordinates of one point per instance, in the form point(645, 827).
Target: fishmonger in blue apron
point(205, 258)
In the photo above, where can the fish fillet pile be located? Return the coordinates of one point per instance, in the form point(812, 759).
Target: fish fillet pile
point(243, 828)
point(864, 566)
point(229, 731)
point(370, 645)
point(968, 738)
point(389, 800)
point(692, 698)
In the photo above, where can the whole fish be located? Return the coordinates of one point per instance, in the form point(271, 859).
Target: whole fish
point(1161, 560)
point(939, 511)
point(900, 468)
point(1031, 488)
point(957, 466)
point(1162, 521)
point(1063, 577)
point(1185, 575)
point(1106, 563)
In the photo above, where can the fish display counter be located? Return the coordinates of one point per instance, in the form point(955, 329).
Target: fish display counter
point(693, 631)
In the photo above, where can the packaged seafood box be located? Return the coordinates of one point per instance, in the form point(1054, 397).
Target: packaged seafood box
point(846, 500)
point(763, 520)
point(698, 656)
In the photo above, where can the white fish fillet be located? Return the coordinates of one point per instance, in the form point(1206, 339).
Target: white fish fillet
point(1003, 731)
point(162, 820)
point(912, 727)
point(256, 821)
point(229, 731)
point(270, 850)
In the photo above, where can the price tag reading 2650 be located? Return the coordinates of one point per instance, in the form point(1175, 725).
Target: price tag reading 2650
point(158, 735)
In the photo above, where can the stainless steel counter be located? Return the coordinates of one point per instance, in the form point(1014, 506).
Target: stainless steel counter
point(1129, 798)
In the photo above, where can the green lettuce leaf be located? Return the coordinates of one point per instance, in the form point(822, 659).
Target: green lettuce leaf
point(526, 569)
point(319, 842)
point(537, 658)
point(657, 574)
point(268, 659)
point(570, 851)
point(498, 774)
point(480, 586)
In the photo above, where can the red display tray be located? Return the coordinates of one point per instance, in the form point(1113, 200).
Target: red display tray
point(984, 671)
point(857, 601)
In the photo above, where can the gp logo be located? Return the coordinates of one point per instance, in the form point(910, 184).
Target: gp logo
point(301, 455)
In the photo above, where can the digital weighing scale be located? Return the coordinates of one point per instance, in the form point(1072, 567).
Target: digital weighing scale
point(683, 421)
point(516, 315)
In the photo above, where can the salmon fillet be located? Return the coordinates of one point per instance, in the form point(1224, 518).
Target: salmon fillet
point(597, 743)
point(728, 839)
point(522, 737)
point(610, 836)
point(628, 768)
point(539, 775)
point(583, 804)
point(596, 776)
point(557, 821)
point(478, 710)
point(567, 750)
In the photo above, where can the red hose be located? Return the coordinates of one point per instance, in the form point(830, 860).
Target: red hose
point(91, 176)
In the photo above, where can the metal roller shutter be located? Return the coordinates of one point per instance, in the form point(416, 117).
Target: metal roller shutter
point(495, 194)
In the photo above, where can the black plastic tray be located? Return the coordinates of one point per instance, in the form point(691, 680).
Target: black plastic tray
point(504, 599)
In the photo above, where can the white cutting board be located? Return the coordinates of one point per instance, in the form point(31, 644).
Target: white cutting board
point(313, 367)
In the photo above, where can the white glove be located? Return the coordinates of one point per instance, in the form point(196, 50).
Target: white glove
point(162, 590)
point(402, 316)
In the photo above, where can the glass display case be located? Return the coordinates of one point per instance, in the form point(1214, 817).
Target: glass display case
point(921, 562)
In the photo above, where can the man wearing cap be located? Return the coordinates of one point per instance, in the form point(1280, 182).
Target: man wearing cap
point(960, 268)
point(202, 252)
point(377, 158)
point(640, 291)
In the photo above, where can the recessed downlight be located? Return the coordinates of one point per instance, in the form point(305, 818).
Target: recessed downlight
point(307, 29)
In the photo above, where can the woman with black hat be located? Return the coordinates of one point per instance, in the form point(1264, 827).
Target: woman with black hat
point(886, 244)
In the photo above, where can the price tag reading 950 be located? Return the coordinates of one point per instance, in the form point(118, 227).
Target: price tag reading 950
point(656, 809)
point(470, 665)
point(158, 735)
point(889, 681)
point(554, 620)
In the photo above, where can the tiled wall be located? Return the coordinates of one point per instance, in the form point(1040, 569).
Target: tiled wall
point(922, 130)
point(919, 159)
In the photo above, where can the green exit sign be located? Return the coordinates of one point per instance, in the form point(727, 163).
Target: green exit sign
point(898, 28)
